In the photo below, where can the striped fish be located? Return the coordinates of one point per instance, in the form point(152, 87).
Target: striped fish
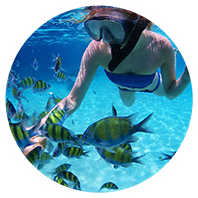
point(57, 133)
point(121, 157)
point(43, 114)
point(70, 177)
point(27, 82)
point(74, 152)
point(57, 116)
point(20, 135)
point(34, 155)
point(108, 185)
point(63, 167)
point(45, 158)
point(60, 76)
point(62, 184)
point(40, 86)
point(60, 180)
point(113, 131)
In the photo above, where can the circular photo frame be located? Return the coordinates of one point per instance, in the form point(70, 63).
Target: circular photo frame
point(99, 99)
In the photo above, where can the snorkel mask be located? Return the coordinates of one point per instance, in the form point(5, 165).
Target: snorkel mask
point(118, 29)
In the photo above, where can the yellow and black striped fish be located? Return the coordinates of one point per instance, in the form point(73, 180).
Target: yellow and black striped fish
point(62, 184)
point(43, 114)
point(121, 157)
point(109, 185)
point(63, 167)
point(20, 135)
point(27, 82)
point(40, 86)
point(60, 76)
point(45, 158)
point(70, 177)
point(57, 133)
point(34, 155)
point(60, 180)
point(113, 131)
point(57, 116)
point(74, 152)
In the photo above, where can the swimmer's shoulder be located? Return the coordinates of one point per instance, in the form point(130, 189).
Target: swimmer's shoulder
point(99, 47)
point(99, 51)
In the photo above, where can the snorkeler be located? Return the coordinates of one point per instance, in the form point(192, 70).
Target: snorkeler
point(130, 53)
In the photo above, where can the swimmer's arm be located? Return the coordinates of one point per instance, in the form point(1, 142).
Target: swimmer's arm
point(172, 87)
point(88, 67)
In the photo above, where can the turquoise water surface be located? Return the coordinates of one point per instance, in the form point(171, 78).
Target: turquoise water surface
point(169, 122)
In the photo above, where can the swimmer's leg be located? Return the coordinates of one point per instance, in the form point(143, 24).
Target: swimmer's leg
point(127, 97)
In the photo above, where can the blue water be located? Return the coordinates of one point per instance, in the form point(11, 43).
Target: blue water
point(169, 122)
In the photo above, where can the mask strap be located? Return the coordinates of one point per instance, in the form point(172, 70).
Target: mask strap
point(118, 53)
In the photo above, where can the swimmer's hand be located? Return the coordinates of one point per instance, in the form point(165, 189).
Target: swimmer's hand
point(67, 105)
point(186, 74)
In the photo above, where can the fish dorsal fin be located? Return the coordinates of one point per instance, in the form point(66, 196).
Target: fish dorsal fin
point(131, 118)
point(114, 111)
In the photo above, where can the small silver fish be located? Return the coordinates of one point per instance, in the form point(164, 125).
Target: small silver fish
point(35, 64)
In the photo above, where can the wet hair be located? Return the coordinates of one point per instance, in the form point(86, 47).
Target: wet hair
point(93, 10)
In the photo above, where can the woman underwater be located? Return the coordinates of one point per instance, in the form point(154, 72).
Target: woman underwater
point(130, 53)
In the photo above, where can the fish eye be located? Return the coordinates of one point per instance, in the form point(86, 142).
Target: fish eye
point(85, 137)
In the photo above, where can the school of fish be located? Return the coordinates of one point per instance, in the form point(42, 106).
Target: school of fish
point(111, 136)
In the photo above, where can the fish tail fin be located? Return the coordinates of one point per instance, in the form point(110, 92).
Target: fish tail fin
point(21, 95)
point(85, 153)
point(138, 160)
point(141, 126)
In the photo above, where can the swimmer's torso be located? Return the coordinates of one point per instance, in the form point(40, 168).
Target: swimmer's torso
point(143, 60)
